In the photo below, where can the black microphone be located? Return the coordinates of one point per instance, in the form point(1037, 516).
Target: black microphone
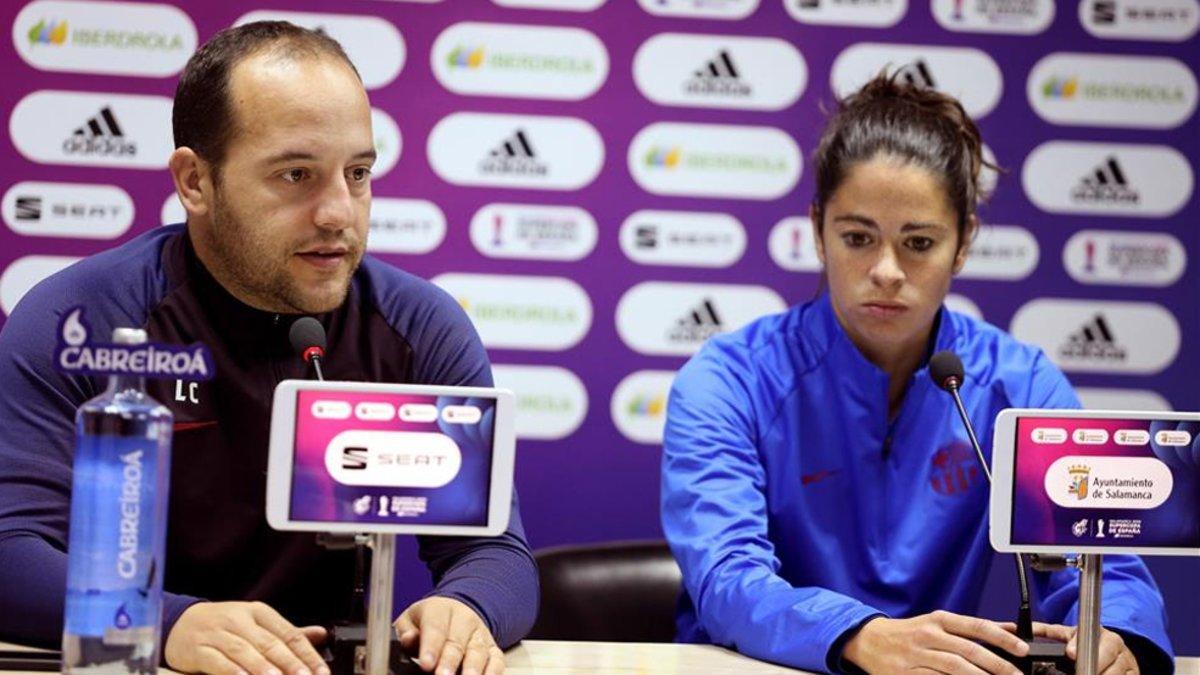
point(307, 336)
point(946, 370)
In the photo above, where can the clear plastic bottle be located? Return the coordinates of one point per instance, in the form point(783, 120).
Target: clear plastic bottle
point(115, 550)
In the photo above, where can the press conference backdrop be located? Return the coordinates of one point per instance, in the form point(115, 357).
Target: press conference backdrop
point(603, 185)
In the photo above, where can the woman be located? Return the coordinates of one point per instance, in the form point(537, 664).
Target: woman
point(818, 490)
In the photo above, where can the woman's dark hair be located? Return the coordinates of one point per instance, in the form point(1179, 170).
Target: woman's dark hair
point(915, 125)
point(203, 117)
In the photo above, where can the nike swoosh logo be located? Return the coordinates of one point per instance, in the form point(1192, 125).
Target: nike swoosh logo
point(188, 426)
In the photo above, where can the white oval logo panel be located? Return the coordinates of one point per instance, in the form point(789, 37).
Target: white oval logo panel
point(117, 130)
point(701, 9)
point(793, 245)
point(956, 302)
point(969, 75)
point(562, 5)
point(719, 71)
point(374, 45)
point(870, 14)
point(67, 210)
point(1023, 17)
point(1093, 336)
point(1124, 258)
point(1121, 399)
point(530, 232)
point(1097, 482)
point(25, 273)
point(519, 151)
point(683, 238)
point(711, 160)
point(1167, 20)
point(409, 459)
point(675, 319)
point(1001, 252)
point(387, 143)
point(551, 401)
point(1107, 179)
point(172, 211)
point(489, 59)
point(411, 226)
point(639, 405)
point(1144, 92)
point(522, 312)
point(106, 38)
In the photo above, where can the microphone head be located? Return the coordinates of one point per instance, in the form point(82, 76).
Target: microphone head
point(305, 334)
point(946, 370)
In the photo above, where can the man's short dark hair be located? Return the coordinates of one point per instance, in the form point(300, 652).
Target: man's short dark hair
point(203, 118)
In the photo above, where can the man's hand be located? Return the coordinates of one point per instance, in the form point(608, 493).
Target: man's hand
point(1115, 657)
point(242, 638)
point(940, 642)
point(449, 633)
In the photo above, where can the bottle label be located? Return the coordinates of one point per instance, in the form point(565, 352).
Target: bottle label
point(74, 355)
point(114, 582)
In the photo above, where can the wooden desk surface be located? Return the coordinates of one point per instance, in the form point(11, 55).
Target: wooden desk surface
point(539, 657)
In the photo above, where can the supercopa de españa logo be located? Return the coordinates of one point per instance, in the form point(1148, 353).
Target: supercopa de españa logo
point(74, 355)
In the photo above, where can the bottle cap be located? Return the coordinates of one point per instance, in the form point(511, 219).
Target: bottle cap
point(129, 336)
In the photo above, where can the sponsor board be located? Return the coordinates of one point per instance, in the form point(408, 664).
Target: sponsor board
point(373, 45)
point(639, 405)
point(172, 211)
point(1003, 252)
point(969, 75)
point(36, 209)
point(25, 273)
point(1142, 92)
point(1107, 179)
point(1092, 481)
point(956, 302)
point(793, 246)
point(547, 62)
point(866, 13)
point(532, 232)
point(675, 319)
point(719, 71)
point(1023, 17)
point(111, 130)
point(561, 5)
point(701, 9)
point(387, 143)
point(1124, 258)
point(1122, 399)
point(551, 401)
point(714, 160)
point(1166, 20)
point(105, 38)
point(412, 226)
point(683, 238)
point(522, 312)
point(1094, 336)
point(517, 151)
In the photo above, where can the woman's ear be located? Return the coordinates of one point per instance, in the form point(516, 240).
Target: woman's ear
point(964, 246)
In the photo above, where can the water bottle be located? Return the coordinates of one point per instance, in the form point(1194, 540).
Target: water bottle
point(113, 615)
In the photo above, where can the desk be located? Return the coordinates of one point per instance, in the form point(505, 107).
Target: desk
point(541, 657)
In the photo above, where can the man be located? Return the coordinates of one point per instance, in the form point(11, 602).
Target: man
point(273, 156)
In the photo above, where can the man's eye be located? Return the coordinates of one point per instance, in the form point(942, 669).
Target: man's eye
point(294, 175)
point(920, 243)
point(360, 174)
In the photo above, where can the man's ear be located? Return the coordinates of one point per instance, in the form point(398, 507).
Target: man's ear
point(816, 232)
point(972, 229)
point(193, 181)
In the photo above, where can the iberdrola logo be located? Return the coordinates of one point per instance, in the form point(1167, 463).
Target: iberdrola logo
point(52, 33)
point(1058, 87)
point(1079, 480)
point(647, 406)
point(668, 158)
point(466, 57)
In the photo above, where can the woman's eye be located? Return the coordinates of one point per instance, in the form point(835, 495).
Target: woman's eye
point(920, 243)
point(856, 239)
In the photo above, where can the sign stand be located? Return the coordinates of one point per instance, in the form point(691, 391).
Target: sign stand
point(1088, 635)
point(379, 610)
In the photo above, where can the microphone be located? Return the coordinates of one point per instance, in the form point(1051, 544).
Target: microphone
point(307, 336)
point(946, 370)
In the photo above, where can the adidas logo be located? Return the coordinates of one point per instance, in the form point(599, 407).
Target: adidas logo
point(100, 135)
point(29, 208)
point(718, 77)
point(698, 325)
point(514, 156)
point(917, 74)
point(1106, 184)
point(1094, 341)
